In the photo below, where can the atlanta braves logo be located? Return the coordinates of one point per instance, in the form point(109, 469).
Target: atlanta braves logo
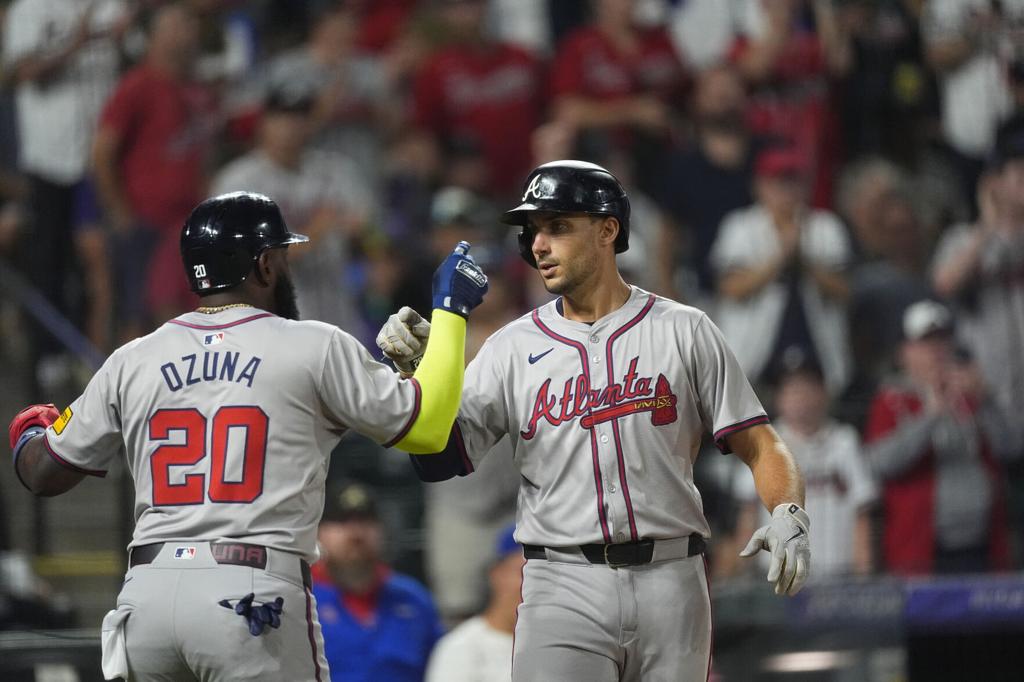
point(595, 406)
point(539, 188)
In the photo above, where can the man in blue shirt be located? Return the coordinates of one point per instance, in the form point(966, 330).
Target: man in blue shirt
point(377, 624)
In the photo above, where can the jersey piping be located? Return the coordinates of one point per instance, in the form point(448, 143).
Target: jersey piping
point(70, 465)
point(226, 325)
point(615, 422)
point(598, 485)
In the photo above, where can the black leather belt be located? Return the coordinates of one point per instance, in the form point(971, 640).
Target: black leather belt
point(619, 554)
point(232, 553)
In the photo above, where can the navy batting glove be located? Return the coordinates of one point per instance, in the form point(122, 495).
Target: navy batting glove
point(257, 616)
point(459, 283)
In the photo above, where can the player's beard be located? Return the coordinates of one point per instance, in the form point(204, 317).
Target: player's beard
point(285, 303)
point(576, 271)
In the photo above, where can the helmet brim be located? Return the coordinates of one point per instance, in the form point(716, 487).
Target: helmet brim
point(293, 238)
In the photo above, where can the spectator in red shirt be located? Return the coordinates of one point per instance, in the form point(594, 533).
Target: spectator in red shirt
point(616, 82)
point(934, 439)
point(788, 52)
point(149, 156)
point(482, 93)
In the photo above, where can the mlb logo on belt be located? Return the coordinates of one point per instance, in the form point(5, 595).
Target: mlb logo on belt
point(186, 553)
point(213, 339)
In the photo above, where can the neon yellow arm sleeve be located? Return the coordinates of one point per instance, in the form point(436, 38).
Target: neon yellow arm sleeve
point(440, 379)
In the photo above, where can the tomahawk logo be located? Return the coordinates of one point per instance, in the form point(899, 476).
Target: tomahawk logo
point(538, 189)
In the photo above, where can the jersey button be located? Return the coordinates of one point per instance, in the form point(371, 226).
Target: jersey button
point(597, 358)
point(604, 438)
point(611, 488)
point(620, 537)
point(594, 338)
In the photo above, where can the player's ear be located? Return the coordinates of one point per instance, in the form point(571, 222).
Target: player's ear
point(608, 230)
point(262, 269)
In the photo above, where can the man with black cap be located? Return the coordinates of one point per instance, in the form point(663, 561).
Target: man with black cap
point(935, 439)
point(322, 193)
point(377, 624)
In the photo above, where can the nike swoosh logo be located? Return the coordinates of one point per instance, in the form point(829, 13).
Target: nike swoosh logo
point(797, 534)
point(534, 358)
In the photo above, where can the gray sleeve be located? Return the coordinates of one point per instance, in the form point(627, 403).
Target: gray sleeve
point(88, 436)
point(361, 394)
point(902, 447)
point(726, 399)
point(483, 413)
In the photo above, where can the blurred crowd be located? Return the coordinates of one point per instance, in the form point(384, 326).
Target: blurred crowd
point(839, 183)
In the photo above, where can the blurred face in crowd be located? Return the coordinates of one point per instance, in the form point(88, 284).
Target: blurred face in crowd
point(899, 233)
point(335, 33)
point(802, 401)
point(464, 18)
point(175, 34)
point(283, 134)
point(781, 195)
point(352, 548)
point(618, 12)
point(720, 98)
point(926, 360)
point(569, 248)
point(506, 578)
point(1011, 188)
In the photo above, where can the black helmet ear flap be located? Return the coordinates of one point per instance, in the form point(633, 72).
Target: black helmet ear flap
point(525, 238)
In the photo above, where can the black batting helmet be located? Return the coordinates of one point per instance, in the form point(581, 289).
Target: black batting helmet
point(224, 236)
point(570, 187)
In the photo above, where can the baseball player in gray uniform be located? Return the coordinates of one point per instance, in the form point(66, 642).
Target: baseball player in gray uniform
point(227, 415)
point(605, 393)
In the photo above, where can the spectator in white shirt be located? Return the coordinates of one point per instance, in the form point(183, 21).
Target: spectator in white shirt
point(480, 649)
point(780, 268)
point(840, 487)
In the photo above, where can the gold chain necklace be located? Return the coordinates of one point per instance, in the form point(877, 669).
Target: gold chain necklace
point(209, 310)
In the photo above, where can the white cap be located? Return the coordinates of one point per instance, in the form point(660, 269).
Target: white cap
point(924, 318)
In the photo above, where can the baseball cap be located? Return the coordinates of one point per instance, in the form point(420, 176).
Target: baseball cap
point(349, 502)
point(289, 98)
point(781, 162)
point(796, 361)
point(926, 318)
point(460, 205)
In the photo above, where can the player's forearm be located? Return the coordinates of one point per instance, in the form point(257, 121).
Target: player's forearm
point(440, 377)
point(40, 474)
point(776, 475)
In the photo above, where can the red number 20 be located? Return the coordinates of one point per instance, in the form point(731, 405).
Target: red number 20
point(194, 490)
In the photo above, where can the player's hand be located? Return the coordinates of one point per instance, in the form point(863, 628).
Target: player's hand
point(785, 537)
point(403, 338)
point(33, 415)
point(459, 283)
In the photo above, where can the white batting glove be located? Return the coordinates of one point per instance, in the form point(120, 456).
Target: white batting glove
point(785, 537)
point(403, 338)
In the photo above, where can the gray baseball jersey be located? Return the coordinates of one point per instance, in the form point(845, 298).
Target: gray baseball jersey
point(227, 420)
point(606, 420)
